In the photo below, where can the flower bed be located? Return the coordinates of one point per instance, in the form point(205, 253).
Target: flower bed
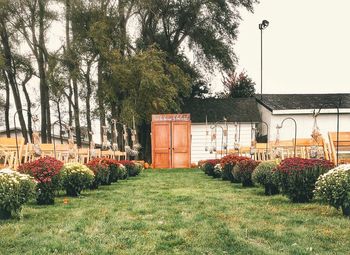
point(333, 188)
point(265, 175)
point(76, 177)
point(243, 170)
point(15, 190)
point(46, 172)
point(228, 163)
point(297, 177)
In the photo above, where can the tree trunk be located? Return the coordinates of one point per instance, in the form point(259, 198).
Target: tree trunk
point(70, 96)
point(87, 100)
point(44, 93)
point(29, 113)
point(76, 113)
point(10, 76)
point(145, 140)
point(7, 106)
point(100, 97)
point(60, 120)
point(48, 121)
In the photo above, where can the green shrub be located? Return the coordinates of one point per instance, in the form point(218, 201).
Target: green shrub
point(208, 166)
point(122, 172)
point(132, 168)
point(333, 188)
point(15, 190)
point(217, 173)
point(297, 177)
point(265, 175)
point(76, 177)
point(243, 170)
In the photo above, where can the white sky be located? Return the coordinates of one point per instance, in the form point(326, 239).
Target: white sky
point(306, 46)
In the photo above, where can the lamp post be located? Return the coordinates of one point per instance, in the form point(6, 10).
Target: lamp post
point(264, 24)
point(268, 134)
point(295, 132)
point(338, 113)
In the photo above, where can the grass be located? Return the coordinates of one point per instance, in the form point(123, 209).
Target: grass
point(176, 212)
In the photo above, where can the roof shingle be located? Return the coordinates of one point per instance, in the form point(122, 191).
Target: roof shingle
point(234, 109)
point(303, 101)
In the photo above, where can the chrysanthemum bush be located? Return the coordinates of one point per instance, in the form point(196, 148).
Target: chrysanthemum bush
point(297, 177)
point(243, 170)
point(133, 169)
point(333, 188)
point(228, 163)
point(265, 175)
point(15, 190)
point(101, 171)
point(75, 177)
point(217, 173)
point(208, 166)
point(46, 172)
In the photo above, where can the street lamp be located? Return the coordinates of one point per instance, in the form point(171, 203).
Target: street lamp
point(295, 132)
point(264, 24)
point(338, 113)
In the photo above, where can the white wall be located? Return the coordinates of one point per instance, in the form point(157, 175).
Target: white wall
point(305, 122)
point(199, 140)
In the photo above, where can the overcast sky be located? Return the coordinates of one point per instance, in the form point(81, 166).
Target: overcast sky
point(306, 46)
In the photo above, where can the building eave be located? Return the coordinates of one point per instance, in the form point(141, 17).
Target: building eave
point(308, 111)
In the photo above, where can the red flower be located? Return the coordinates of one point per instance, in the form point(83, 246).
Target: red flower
point(42, 169)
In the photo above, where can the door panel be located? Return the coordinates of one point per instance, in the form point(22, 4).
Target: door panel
point(161, 142)
point(181, 153)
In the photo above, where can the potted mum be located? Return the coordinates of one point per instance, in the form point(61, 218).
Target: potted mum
point(15, 190)
point(265, 175)
point(243, 170)
point(75, 177)
point(297, 177)
point(46, 172)
point(333, 188)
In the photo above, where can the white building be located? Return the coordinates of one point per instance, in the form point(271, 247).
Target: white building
point(241, 114)
point(274, 108)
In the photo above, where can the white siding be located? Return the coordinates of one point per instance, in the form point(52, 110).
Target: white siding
point(305, 122)
point(198, 141)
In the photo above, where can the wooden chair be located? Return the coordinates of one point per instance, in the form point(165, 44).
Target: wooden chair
point(14, 151)
point(344, 147)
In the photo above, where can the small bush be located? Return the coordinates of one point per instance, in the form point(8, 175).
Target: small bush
point(333, 188)
point(46, 172)
point(243, 170)
point(15, 190)
point(228, 163)
point(101, 171)
point(208, 166)
point(217, 173)
point(122, 172)
point(132, 168)
point(265, 175)
point(76, 177)
point(112, 168)
point(297, 177)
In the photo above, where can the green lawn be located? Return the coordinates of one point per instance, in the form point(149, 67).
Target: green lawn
point(176, 212)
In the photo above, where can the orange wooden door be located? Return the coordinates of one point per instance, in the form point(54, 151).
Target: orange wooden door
point(161, 144)
point(181, 145)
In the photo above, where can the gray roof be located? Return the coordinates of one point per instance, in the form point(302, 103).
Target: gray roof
point(304, 101)
point(234, 109)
